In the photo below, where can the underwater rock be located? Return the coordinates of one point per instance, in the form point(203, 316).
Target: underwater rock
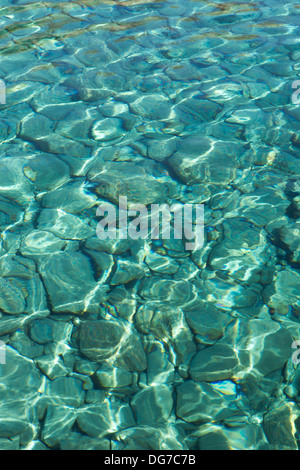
point(85, 367)
point(149, 438)
point(23, 291)
point(36, 126)
point(159, 150)
point(10, 444)
point(227, 89)
point(35, 445)
point(65, 392)
point(214, 440)
point(20, 389)
point(259, 391)
point(100, 340)
point(51, 366)
point(95, 396)
point(124, 302)
point(48, 331)
point(127, 271)
point(23, 344)
point(207, 322)
point(39, 243)
point(244, 436)
point(197, 110)
point(284, 69)
point(112, 377)
point(72, 199)
point(290, 235)
point(217, 362)
point(14, 184)
point(160, 370)
point(70, 284)
point(63, 225)
point(113, 108)
point(279, 426)
point(58, 424)
point(151, 107)
point(76, 441)
point(152, 405)
point(270, 345)
point(176, 293)
point(103, 261)
point(161, 264)
point(199, 403)
point(76, 124)
point(46, 171)
point(38, 129)
point(109, 129)
point(110, 246)
point(244, 257)
point(10, 324)
point(105, 418)
point(211, 162)
point(286, 287)
point(260, 207)
point(229, 293)
point(128, 179)
point(167, 324)
point(11, 298)
point(9, 213)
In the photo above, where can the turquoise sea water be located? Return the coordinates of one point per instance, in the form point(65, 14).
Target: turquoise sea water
point(143, 344)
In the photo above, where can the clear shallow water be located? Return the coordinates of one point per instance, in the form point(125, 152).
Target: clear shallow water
point(143, 344)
